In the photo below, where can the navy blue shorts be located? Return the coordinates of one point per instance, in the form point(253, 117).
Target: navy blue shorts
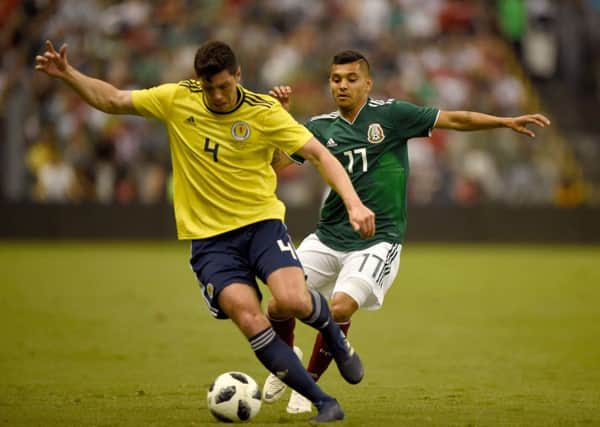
point(240, 256)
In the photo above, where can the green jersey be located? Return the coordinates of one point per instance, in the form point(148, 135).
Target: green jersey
point(373, 150)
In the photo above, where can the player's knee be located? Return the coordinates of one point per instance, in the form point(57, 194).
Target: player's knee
point(341, 313)
point(251, 323)
point(342, 308)
point(276, 310)
point(297, 305)
point(273, 309)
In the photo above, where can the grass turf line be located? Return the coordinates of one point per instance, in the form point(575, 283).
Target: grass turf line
point(116, 334)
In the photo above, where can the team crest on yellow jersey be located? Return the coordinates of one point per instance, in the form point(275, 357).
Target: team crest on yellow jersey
point(375, 133)
point(240, 131)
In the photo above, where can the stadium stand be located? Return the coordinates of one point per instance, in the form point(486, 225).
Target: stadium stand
point(500, 57)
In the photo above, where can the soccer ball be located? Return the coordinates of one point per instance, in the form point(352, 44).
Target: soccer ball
point(234, 397)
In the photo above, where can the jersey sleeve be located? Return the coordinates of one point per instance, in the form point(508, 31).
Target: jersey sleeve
point(315, 131)
point(310, 125)
point(416, 121)
point(283, 131)
point(154, 102)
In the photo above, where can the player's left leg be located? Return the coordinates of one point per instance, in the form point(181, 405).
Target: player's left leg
point(321, 266)
point(363, 282)
point(285, 291)
point(240, 303)
point(321, 269)
point(285, 278)
point(343, 306)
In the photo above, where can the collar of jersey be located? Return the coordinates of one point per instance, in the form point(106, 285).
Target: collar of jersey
point(357, 114)
point(241, 96)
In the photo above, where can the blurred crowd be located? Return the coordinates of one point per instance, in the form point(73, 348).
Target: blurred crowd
point(452, 54)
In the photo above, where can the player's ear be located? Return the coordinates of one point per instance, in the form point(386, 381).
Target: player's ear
point(238, 74)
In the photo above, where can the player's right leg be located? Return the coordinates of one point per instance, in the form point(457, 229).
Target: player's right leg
point(230, 290)
point(239, 302)
point(365, 277)
point(363, 281)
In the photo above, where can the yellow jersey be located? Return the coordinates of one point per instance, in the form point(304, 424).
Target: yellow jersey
point(222, 174)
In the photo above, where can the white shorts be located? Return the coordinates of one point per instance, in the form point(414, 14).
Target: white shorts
point(365, 275)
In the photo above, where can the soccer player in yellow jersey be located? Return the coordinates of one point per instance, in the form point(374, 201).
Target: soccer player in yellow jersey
point(222, 138)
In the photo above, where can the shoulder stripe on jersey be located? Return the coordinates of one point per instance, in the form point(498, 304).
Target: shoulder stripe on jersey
point(192, 85)
point(258, 99)
point(380, 102)
point(256, 104)
point(333, 115)
point(189, 82)
point(254, 101)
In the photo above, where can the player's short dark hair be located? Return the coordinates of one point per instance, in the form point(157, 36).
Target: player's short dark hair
point(212, 58)
point(349, 56)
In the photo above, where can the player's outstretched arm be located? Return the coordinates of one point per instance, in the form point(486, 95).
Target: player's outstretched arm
point(361, 217)
point(99, 94)
point(469, 120)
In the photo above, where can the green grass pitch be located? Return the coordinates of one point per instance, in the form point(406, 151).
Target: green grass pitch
point(116, 334)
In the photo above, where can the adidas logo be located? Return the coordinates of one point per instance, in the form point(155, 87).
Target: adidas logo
point(190, 120)
point(331, 143)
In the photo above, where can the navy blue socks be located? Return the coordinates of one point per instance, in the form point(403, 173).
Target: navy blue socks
point(279, 358)
point(321, 320)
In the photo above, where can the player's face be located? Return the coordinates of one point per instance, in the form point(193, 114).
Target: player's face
point(220, 93)
point(350, 84)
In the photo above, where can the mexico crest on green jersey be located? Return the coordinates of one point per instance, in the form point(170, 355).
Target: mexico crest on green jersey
point(374, 150)
point(375, 133)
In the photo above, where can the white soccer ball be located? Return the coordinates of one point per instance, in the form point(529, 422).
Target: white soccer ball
point(234, 397)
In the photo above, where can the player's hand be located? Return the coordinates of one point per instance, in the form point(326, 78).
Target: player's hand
point(282, 94)
point(519, 124)
point(52, 62)
point(363, 220)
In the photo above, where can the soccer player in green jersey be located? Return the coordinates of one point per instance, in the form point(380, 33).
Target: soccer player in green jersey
point(369, 137)
point(222, 138)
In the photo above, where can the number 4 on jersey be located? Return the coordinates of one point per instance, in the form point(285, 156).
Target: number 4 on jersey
point(214, 149)
point(285, 247)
